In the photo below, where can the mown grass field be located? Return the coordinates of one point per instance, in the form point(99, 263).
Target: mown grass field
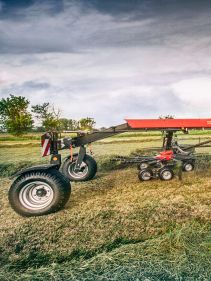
point(113, 227)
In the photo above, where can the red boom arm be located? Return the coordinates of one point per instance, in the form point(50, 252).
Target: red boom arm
point(160, 124)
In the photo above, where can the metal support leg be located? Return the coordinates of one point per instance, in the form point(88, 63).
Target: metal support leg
point(81, 155)
point(169, 137)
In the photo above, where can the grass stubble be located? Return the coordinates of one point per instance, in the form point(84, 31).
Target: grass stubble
point(112, 228)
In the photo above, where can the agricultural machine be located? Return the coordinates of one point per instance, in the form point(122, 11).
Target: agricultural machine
point(161, 165)
point(44, 189)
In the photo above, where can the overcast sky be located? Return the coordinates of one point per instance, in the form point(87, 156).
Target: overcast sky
point(109, 59)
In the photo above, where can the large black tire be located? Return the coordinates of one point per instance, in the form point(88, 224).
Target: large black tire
point(39, 193)
point(87, 172)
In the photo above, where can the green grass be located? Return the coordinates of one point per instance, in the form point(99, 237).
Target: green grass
point(36, 135)
point(113, 227)
point(15, 156)
point(29, 136)
point(147, 260)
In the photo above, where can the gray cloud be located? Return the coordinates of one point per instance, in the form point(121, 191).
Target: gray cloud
point(76, 26)
point(108, 59)
point(35, 85)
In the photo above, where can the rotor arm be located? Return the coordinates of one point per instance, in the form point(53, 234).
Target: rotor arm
point(84, 139)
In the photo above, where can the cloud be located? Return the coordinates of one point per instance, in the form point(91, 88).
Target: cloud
point(196, 92)
point(108, 62)
point(76, 27)
point(108, 105)
point(74, 30)
point(35, 85)
point(1, 6)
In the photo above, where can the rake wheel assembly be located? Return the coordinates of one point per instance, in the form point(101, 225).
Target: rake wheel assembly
point(87, 170)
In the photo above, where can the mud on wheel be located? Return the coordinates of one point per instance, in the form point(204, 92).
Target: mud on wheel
point(87, 170)
point(39, 193)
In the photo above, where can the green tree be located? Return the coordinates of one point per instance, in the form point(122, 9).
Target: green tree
point(86, 124)
point(14, 115)
point(48, 116)
point(68, 124)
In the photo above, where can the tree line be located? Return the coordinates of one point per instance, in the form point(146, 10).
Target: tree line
point(18, 117)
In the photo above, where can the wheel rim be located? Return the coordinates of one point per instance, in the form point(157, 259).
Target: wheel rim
point(188, 167)
point(146, 176)
point(167, 175)
point(81, 173)
point(143, 166)
point(36, 195)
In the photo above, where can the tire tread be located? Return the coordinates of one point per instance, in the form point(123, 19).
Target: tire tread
point(91, 164)
point(60, 183)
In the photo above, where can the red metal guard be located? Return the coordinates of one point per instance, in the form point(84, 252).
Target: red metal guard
point(169, 123)
point(165, 155)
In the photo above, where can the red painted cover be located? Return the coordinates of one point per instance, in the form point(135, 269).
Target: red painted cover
point(165, 155)
point(169, 123)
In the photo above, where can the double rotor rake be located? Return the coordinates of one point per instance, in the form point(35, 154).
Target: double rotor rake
point(40, 190)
